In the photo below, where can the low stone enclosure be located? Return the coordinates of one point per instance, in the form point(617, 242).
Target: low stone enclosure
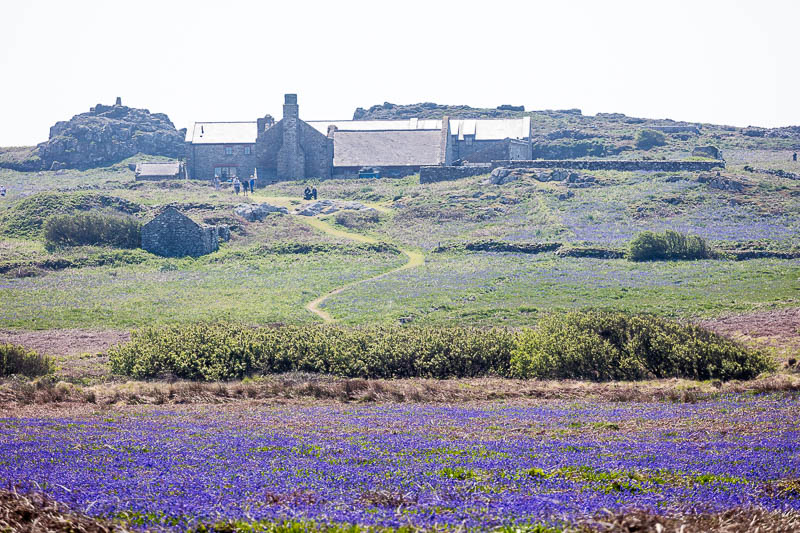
point(444, 173)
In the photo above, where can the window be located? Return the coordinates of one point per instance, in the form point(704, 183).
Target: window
point(225, 172)
point(229, 150)
point(246, 150)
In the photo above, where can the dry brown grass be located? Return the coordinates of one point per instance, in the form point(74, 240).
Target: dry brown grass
point(732, 521)
point(296, 387)
point(36, 513)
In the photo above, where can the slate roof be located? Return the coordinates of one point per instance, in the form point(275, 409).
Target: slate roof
point(169, 168)
point(386, 148)
point(222, 133)
point(372, 125)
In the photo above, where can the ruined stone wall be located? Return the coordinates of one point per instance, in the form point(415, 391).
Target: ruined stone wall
point(446, 173)
point(203, 158)
point(172, 234)
point(613, 164)
point(481, 151)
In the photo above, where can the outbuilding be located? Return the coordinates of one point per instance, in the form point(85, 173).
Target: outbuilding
point(173, 234)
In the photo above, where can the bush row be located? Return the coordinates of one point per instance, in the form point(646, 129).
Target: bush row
point(15, 359)
point(99, 229)
point(595, 346)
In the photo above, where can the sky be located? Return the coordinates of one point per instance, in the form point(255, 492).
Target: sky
point(730, 62)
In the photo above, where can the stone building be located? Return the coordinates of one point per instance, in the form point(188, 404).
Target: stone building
point(159, 171)
point(296, 149)
point(173, 234)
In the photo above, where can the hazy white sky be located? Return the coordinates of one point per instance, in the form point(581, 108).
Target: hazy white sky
point(727, 61)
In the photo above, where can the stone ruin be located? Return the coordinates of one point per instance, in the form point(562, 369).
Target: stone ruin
point(173, 234)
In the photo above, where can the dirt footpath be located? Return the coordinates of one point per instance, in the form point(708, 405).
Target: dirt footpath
point(66, 342)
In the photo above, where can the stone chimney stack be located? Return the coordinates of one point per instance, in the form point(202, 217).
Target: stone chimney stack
point(291, 158)
point(119, 101)
point(290, 107)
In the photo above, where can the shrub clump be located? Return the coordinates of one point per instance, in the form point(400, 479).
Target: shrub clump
point(602, 346)
point(594, 346)
point(647, 139)
point(227, 351)
point(17, 360)
point(27, 217)
point(93, 229)
point(670, 245)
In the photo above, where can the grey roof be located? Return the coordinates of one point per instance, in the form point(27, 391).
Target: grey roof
point(386, 148)
point(222, 133)
point(168, 168)
point(372, 125)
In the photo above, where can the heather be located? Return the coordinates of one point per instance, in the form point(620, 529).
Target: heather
point(412, 465)
point(591, 345)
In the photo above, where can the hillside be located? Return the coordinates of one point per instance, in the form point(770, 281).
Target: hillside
point(567, 133)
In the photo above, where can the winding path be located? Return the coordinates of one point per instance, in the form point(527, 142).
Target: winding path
point(415, 259)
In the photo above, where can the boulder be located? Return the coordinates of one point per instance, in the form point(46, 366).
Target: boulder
point(707, 151)
point(256, 212)
point(501, 176)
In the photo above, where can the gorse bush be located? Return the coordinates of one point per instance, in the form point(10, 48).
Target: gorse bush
point(225, 351)
point(593, 345)
point(602, 346)
point(16, 359)
point(650, 246)
point(93, 229)
point(646, 139)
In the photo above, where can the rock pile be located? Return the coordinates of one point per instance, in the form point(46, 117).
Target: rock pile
point(707, 151)
point(501, 176)
point(108, 134)
point(326, 207)
point(721, 182)
point(257, 212)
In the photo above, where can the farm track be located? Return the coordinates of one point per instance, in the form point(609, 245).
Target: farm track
point(415, 259)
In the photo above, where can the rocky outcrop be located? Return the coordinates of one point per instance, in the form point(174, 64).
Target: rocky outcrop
point(256, 212)
point(721, 182)
point(326, 207)
point(108, 134)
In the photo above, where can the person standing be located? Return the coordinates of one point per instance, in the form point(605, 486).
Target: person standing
point(314, 192)
point(794, 156)
point(252, 184)
point(236, 185)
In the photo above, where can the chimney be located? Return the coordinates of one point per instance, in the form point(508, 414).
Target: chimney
point(290, 107)
point(119, 101)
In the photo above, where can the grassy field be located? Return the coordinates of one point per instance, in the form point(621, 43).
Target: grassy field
point(248, 281)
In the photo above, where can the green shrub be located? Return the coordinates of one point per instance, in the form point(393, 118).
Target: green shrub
point(26, 218)
point(224, 351)
point(93, 229)
point(650, 246)
point(646, 139)
point(597, 346)
point(602, 346)
point(16, 359)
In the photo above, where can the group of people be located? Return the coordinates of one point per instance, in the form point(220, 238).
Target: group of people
point(238, 185)
point(310, 193)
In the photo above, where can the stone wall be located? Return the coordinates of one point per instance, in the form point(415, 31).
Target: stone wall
point(446, 173)
point(173, 234)
point(386, 172)
point(201, 159)
point(613, 164)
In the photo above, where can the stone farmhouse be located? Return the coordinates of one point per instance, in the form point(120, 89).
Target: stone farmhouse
point(292, 148)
